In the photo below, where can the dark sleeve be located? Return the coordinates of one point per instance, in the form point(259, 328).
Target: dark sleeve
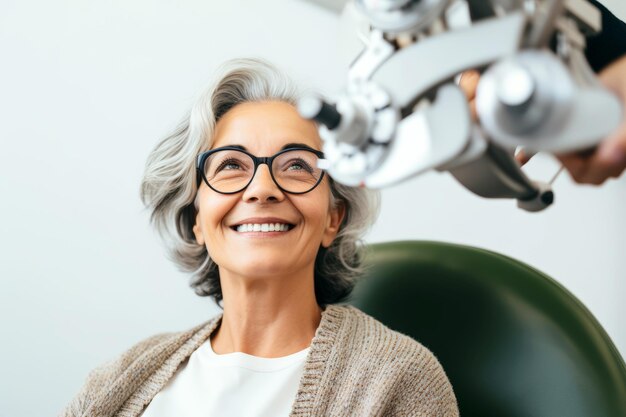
point(608, 45)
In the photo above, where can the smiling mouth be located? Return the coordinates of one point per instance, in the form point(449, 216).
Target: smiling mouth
point(263, 227)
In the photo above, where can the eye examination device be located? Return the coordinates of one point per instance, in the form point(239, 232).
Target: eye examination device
point(402, 113)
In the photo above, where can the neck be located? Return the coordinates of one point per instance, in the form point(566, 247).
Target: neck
point(269, 317)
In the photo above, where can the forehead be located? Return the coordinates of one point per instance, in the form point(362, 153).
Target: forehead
point(263, 128)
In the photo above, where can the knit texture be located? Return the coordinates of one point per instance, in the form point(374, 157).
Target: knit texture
point(356, 366)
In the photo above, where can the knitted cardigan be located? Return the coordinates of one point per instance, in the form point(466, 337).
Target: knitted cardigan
point(356, 366)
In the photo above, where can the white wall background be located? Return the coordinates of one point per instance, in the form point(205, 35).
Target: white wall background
point(86, 90)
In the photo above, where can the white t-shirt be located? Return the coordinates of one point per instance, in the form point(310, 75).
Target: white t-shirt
point(234, 384)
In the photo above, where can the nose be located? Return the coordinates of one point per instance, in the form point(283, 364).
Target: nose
point(262, 188)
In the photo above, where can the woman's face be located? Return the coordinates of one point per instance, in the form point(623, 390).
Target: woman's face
point(263, 129)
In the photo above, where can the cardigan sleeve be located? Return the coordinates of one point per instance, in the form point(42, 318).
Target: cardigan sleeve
point(95, 380)
point(423, 390)
point(101, 377)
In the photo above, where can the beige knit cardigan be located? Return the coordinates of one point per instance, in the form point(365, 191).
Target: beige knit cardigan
point(356, 366)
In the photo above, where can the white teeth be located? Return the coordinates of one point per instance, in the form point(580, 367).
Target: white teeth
point(265, 227)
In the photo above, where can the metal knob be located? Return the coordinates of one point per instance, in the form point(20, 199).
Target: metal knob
point(515, 87)
point(315, 108)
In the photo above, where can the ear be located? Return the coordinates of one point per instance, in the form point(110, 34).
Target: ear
point(197, 230)
point(335, 217)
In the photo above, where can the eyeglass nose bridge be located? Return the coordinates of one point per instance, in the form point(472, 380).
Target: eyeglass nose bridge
point(260, 160)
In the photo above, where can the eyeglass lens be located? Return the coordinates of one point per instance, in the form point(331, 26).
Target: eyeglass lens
point(294, 171)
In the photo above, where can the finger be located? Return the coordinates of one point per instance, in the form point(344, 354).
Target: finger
point(473, 111)
point(575, 164)
point(613, 76)
point(469, 83)
point(609, 161)
point(522, 157)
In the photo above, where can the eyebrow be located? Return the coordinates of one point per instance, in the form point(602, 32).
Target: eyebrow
point(287, 146)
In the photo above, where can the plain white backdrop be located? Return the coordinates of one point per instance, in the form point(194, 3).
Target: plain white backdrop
point(88, 88)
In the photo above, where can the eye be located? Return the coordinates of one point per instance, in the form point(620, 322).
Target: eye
point(299, 165)
point(229, 164)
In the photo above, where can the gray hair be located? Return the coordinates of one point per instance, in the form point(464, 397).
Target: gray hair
point(169, 185)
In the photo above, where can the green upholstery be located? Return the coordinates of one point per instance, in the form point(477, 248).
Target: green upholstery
point(513, 342)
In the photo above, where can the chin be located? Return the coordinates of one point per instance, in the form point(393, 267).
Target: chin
point(262, 267)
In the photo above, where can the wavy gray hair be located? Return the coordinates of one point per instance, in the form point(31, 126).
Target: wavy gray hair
point(169, 185)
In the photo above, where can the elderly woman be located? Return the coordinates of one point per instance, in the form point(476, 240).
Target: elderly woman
point(237, 194)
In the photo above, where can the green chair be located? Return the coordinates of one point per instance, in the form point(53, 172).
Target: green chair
point(513, 342)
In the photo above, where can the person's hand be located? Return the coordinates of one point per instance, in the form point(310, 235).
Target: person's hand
point(469, 84)
point(608, 159)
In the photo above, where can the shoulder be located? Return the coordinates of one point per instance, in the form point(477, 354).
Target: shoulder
point(111, 369)
point(411, 373)
point(374, 339)
point(100, 379)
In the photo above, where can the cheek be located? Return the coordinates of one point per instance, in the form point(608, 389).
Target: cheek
point(213, 207)
point(315, 210)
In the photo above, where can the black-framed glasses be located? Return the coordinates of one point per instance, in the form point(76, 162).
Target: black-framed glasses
point(229, 170)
